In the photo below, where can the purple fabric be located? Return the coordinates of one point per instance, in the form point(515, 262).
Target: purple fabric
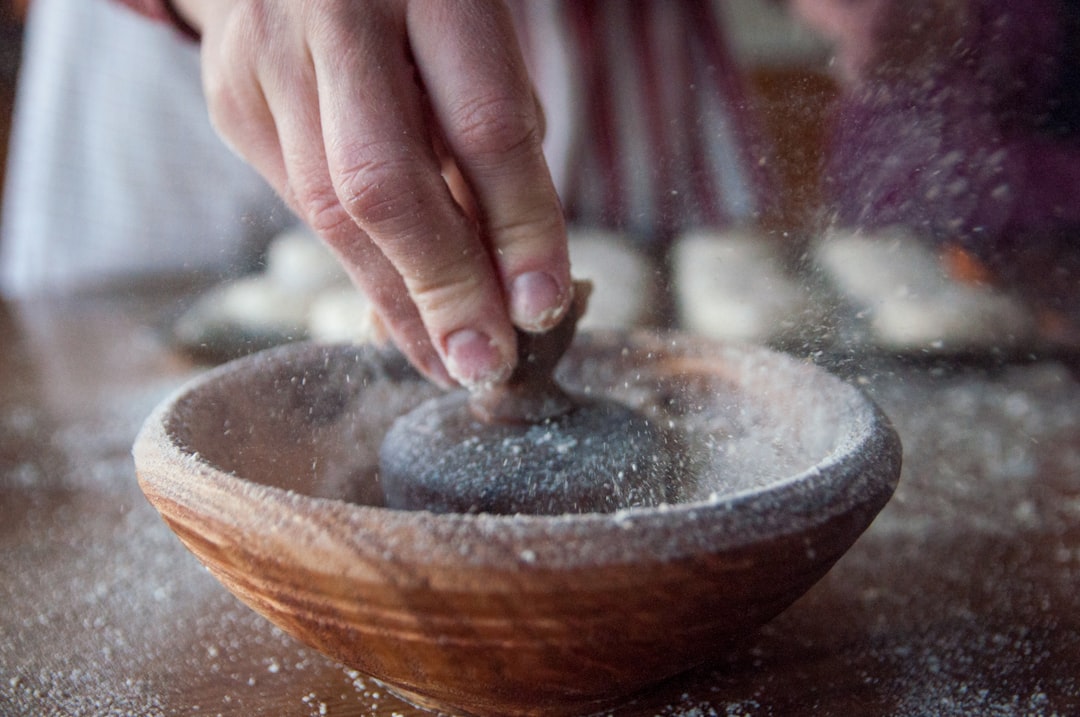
point(983, 149)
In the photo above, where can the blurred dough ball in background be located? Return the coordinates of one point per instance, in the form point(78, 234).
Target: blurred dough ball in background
point(343, 314)
point(626, 288)
point(301, 293)
point(298, 261)
point(900, 286)
point(733, 285)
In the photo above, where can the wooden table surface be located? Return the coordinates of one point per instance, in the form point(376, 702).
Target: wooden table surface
point(963, 598)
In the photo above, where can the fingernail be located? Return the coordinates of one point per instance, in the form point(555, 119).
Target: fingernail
point(474, 360)
point(536, 301)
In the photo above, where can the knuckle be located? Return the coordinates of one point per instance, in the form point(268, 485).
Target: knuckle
point(321, 209)
point(539, 224)
point(230, 110)
point(226, 109)
point(379, 193)
point(455, 271)
point(493, 126)
point(447, 294)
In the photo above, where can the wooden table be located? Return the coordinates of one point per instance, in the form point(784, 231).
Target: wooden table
point(963, 598)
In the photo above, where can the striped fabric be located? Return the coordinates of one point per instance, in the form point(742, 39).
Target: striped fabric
point(661, 136)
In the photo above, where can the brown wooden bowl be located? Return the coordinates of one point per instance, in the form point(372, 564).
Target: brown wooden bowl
point(265, 469)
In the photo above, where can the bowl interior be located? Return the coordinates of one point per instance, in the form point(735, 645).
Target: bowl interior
point(310, 419)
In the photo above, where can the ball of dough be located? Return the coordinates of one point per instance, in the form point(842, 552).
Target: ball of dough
point(732, 286)
point(625, 289)
point(299, 262)
point(901, 288)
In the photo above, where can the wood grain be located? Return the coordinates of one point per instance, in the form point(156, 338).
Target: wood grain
point(511, 615)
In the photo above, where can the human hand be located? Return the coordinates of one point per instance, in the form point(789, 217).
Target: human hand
point(407, 135)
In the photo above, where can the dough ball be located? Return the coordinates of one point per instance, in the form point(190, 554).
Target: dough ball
point(910, 302)
point(298, 261)
point(343, 314)
point(250, 304)
point(732, 286)
point(625, 291)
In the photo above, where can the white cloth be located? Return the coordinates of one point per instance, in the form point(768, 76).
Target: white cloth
point(114, 169)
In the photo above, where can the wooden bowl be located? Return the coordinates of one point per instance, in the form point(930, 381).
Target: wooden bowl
point(265, 469)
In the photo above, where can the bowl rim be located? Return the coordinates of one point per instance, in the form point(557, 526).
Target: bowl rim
point(857, 480)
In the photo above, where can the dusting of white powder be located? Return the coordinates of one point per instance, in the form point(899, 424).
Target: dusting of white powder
point(99, 613)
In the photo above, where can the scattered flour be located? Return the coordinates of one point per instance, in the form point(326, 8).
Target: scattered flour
point(103, 606)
